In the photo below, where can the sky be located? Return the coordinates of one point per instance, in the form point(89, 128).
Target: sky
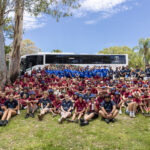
point(97, 24)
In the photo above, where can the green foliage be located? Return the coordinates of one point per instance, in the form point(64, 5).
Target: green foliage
point(134, 58)
point(7, 49)
point(56, 51)
point(55, 8)
point(144, 49)
point(31, 134)
point(8, 28)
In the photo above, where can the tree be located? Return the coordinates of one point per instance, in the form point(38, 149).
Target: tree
point(4, 4)
point(28, 47)
point(56, 8)
point(56, 51)
point(134, 58)
point(14, 67)
point(144, 49)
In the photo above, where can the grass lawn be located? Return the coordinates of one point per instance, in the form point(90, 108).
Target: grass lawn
point(30, 134)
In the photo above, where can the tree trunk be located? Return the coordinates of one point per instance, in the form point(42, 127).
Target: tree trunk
point(3, 68)
point(14, 68)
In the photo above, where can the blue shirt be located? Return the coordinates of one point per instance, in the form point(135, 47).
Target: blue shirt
point(108, 106)
point(66, 104)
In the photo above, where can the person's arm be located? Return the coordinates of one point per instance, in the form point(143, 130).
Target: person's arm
point(48, 104)
point(70, 109)
point(104, 111)
point(62, 109)
point(113, 110)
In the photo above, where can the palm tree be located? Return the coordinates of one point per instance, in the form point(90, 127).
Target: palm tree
point(144, 49)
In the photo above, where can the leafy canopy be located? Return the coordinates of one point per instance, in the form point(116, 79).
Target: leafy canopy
point(134, 58)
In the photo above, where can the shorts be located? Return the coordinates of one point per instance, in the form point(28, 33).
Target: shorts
point(127, 102)
point(47, 109)
point(95, 114)
point(31, 109)
point(64, 113)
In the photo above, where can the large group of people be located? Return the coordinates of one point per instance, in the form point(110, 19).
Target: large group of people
point(77, 94)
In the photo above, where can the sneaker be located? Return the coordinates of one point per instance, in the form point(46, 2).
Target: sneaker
point(120, 112)
point(5, 123)
point(1, 122)
point(107, 121)
point(27, 116)
point(32, 115)
point(69, 120)
point(133, 115)
point(113, 120)
point(76, 121)
point(40, 117)
point(81, 120)
point(60, 121)
point(84, 123)
point(18, 112)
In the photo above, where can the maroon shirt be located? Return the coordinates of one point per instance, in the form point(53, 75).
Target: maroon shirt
point(80, 105)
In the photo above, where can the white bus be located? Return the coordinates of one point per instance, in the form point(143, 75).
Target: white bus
point(42, 59)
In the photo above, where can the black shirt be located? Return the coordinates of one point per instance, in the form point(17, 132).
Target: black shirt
point(11, 104)
point(108, 106)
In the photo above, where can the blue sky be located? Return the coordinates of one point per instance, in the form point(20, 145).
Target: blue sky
point(96, 25)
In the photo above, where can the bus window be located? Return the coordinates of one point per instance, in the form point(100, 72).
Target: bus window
point(34, 60)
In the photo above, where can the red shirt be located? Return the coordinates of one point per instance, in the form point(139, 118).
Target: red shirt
point(2, 100)
point(126, 94)
point(57, 104)
point(94, 91)
point(52, 97)
point(80, 105)
point(137, 100)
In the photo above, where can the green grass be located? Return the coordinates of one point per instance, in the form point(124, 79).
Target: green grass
point(30, 134)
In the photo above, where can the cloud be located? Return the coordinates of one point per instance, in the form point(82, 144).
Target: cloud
point(31, 22)
point(101, 9)
point(99, 5)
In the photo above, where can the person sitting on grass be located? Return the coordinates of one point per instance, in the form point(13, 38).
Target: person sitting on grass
point(146, 101)
point(118, 101)
point(31, 105)
point(11, 110)
point(91, 111)
point(66, 108)
point(108, 109)
point(139, 104)
point(56, 106)
point(80, 107)
point(44, 105)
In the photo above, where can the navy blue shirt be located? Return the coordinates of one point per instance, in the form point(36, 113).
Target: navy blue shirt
point(11, 104)
point(108, 106)
point(45, 102)
point(66, 104)
point(87, 97)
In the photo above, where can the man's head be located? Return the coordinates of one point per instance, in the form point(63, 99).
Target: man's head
point(45, 94)
point(80, 97)
point(67, 97)
point(107, 98)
